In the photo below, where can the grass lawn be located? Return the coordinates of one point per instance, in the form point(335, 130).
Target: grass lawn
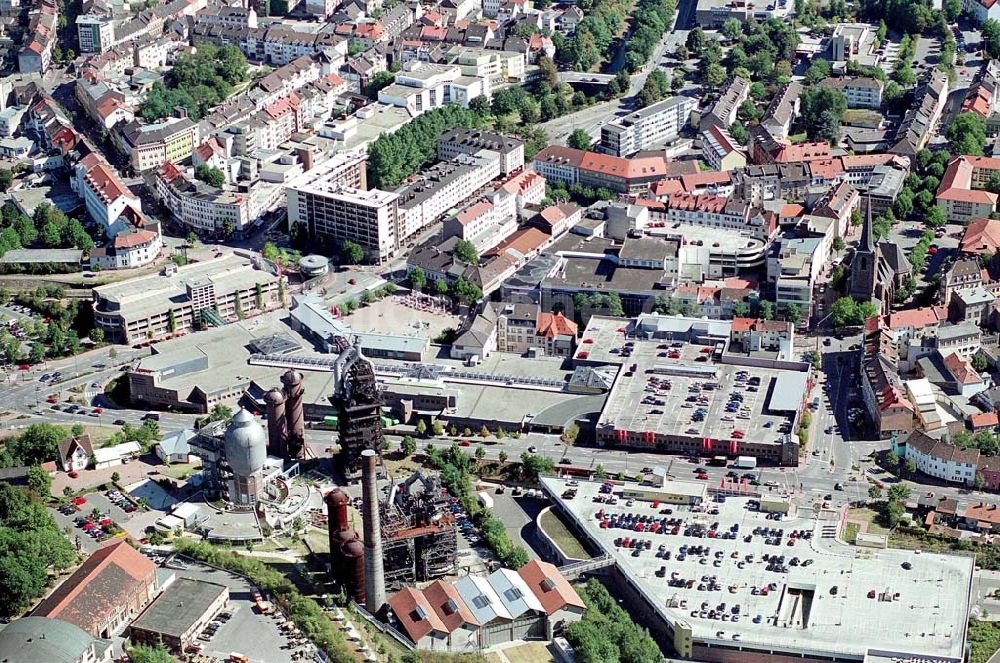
point(984, 639)
point(179, 470)
point(556, 529)
point(851, 532)
point(530, 652)
point(798, 138)
point(867, 515)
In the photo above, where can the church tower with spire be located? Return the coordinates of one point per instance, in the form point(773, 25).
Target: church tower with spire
point(864, 265)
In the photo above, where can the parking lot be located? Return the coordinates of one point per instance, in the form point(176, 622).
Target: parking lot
point(675, 389)
point(736, 574)
point(246, 632)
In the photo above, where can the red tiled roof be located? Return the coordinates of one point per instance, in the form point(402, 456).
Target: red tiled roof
point(984, 420)
point(414, 613)
point(552, 325)
point(473, 212)
point(449, 606)
point(961, 370)
point(129, 240)
point(981, 236)
point(917, 318)
point(99, 587)
point(550, 587)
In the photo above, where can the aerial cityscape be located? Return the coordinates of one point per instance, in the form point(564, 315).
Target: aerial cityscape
point(499, 331)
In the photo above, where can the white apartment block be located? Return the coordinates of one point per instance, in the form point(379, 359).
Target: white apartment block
point(498, 67)
point(422, 86)
point(105, 196)
point(368, 218)
point(660, 123)
point(485, 222)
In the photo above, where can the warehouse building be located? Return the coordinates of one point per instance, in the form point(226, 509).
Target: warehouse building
point(180, 613)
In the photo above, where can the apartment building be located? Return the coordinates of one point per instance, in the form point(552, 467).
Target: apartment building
point(724, 111)
point(498, 67)
point(444, 186)
point(206, 208)
point(859, 91)
point(338, 212)
point(176, 299)
point(485, 222)
point(962, 194)
point(108, 201)
point(132, 248)
point(95, 32)
point(922, 117)
point(793, 268)
point(721, 152)
point(718, 212)
point(565, 164)
point(40, 38)
point(659, 123)
point(149, 146)
point(469, 141)
point(782, 110)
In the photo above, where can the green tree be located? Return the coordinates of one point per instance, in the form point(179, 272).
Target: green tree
point(480, 453)
point(418, 279)
point(409, 445)
point(579, 140)
point(380, 80)
point(892, 460)
point(151, 654)
point(732, 29)
point(765, 310)
point(351, 252)
point(839, 244)
point(967, 134)
point(821, 111)
point(466, 252)
point(502, 457)
point(421, 428)
point(115, 477)
point(39, 482)
point(6, 178)
point(874, 493)
point(210, 175)
point(911, 466)
point(844, 312)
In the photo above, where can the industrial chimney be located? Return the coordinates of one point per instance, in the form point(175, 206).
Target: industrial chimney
point(374, 572)
point(277, 427)
point(296, 421)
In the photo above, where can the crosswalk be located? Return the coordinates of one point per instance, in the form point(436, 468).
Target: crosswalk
point(828, 531)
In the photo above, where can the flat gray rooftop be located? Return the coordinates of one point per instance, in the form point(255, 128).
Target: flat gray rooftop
point(179, 606)
point(822, 609)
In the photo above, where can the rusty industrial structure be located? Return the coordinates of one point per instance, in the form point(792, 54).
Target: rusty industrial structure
point(286, 421)
point(408, 538)
point(358, 403)
point(347, 563)
point(295, 417)
point(277, 426)
point(419, 541)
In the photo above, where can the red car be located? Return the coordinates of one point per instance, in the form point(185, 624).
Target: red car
point(72, 475)
point(100, 410)
point(464, 443)
point(702, 476)
point(51, 399)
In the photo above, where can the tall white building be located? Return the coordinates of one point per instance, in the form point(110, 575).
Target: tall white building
point(660, 123)
point(343, 213)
